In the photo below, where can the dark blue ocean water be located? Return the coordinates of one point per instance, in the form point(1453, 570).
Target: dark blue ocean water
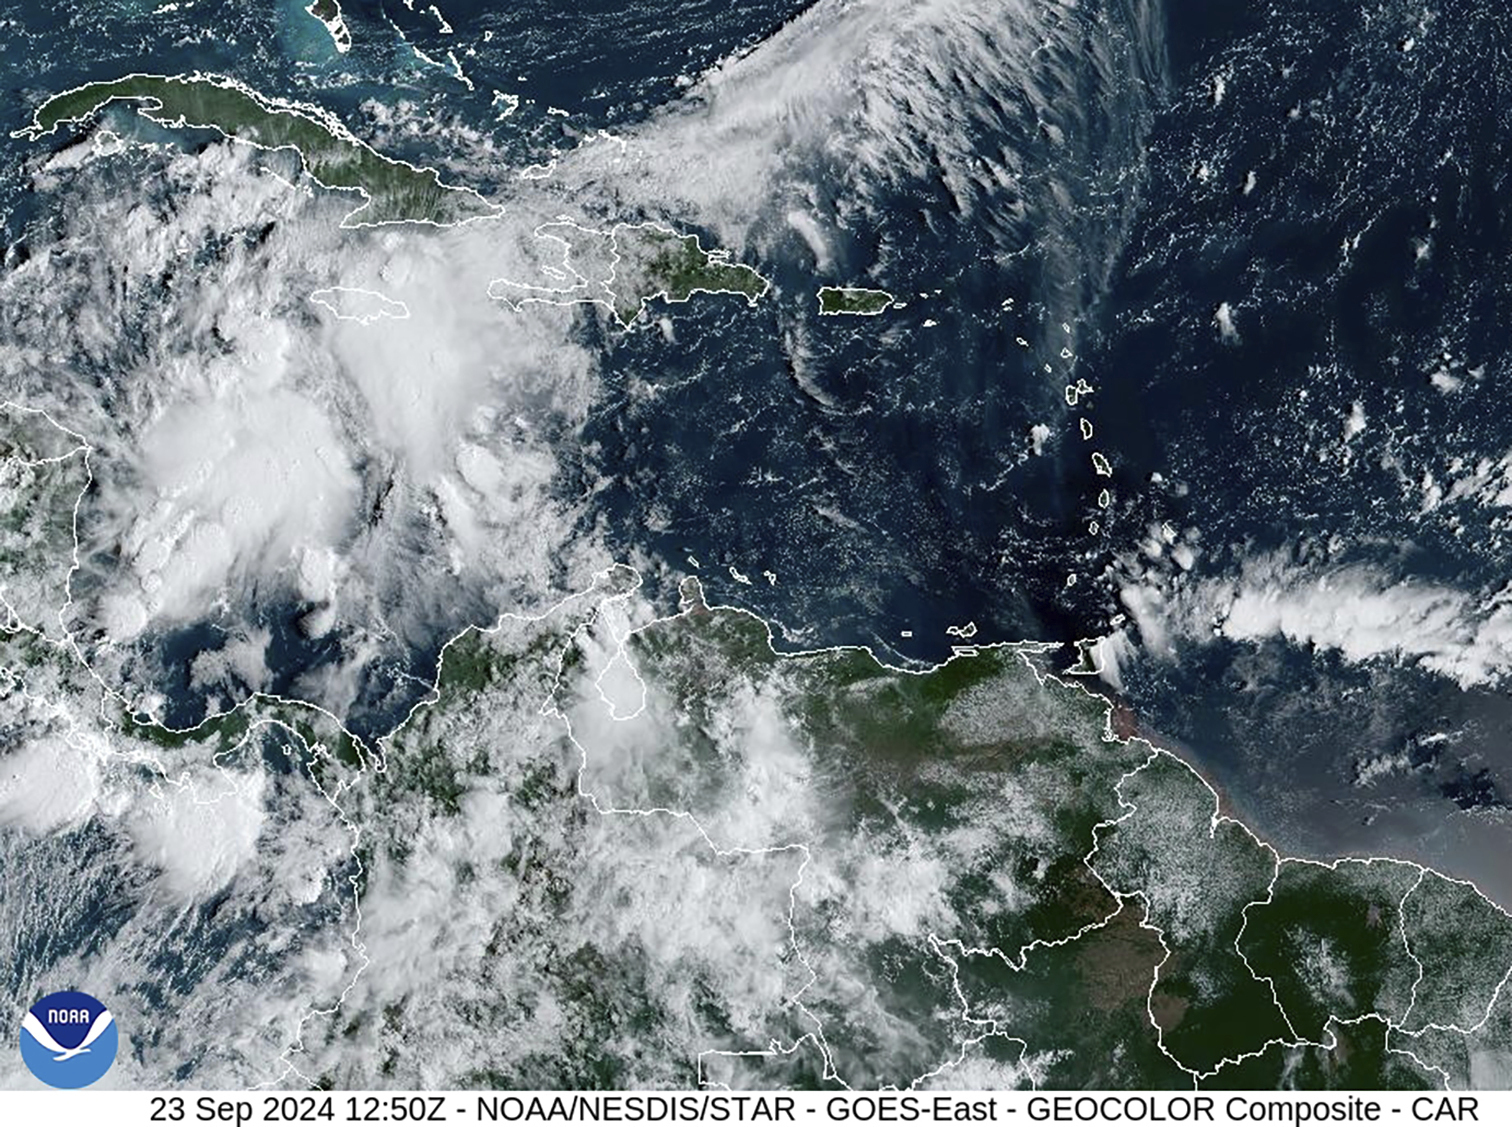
point(1337, 176)
point(602, 63)
point(881, 470)
point(1368, 256)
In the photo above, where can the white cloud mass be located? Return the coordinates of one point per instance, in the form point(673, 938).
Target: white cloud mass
point(1358, 610)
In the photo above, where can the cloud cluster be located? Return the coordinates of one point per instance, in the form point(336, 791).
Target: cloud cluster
point(849, 100)
point(1362, 612)
point(203, 889)
point(283, 412)
point(287, 412)
point(253, 448)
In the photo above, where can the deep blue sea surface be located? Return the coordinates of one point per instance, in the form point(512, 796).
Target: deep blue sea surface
point(1333, 174)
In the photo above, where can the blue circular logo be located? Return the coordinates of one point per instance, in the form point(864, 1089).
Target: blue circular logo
point(68, 1039)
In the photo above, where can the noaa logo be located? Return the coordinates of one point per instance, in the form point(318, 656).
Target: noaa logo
point(68, 1040)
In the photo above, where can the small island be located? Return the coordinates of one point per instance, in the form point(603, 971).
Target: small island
point(394, 191)
point(328, 12)
point(853, 300)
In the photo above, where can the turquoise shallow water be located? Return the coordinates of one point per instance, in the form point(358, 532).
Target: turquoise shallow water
point(1341, 193)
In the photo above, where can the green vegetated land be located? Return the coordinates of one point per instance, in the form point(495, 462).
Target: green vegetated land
point(1098, 926)
point(396, 191)
point(43, 473)
point(657, 262)
point(625, 267)
point(854, 300)
point(958, 864)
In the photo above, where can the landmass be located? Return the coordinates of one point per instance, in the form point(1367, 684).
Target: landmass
point(43, 472)
point(624, 268)
point(968, 854)
point(349, 303)
point(655, 261)
point(328, 12)
point(853, 300)
point(394, 191)
point(655, 852)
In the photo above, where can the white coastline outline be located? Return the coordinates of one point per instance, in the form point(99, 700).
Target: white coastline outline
point(374, 758)
point(336, 27)
point(847, 291)
point(316, 115)
point(390, 308)
point(566, 296)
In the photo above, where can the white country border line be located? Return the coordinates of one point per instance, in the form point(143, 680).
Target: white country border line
point(1270, 896)
point(379, 765)
point(1129, 810)
point(992, 1028)
point(1495, 994)
point(375, 758)
point(1407, 943)
point(1109, 735)
point(775, 1049)
point(81, 447)
point(108, 748)
point(1392, 1026)
point(550, 707)
point(98, 742)
point(693, 600)
point(1023, 648)
point(1332, 866)
point(314, 114)
point(1401, 1026)
point(538, 171)
point(547, 295)
point(579, 293)
point(433, 697)
point(354, 940)
point(718, 256)
point(1479, 1024)
point(1414, 1034)
point(1218, 818)
point(81, 444)
point(1197, 1074)
point(1119, 897)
